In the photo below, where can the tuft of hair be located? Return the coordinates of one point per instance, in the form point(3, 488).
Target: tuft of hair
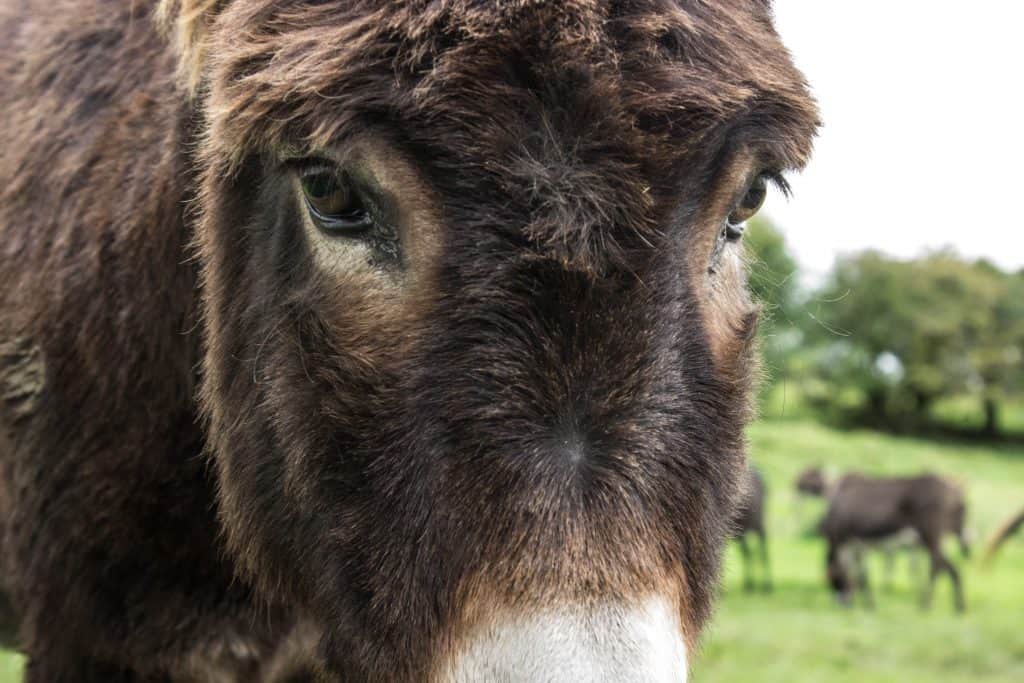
point(187, 22)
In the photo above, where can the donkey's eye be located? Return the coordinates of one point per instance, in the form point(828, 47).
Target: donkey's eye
point(748, 206)
point(333, 202)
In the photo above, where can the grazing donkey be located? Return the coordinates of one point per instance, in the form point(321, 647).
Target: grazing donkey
point(750, 520)
point(867, 510)
point(409, 338)
point(812, 482)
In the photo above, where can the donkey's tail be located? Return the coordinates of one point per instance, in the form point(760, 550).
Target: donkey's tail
point(1007, 529)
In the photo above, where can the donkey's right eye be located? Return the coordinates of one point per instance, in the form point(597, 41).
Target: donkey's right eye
point(333, 202)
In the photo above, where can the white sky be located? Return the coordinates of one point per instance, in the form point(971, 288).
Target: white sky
point(923, 145)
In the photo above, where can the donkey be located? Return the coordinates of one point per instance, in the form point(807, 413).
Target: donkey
point(866, 510)
point(378, 340)
point(750, 520)
point(813, 482)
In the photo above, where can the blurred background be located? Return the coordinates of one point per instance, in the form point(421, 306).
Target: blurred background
point(893, 336)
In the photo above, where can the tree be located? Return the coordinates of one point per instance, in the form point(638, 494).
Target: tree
point(909, 332)
point(998, 358)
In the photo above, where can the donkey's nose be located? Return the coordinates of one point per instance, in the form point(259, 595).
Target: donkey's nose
point(600, 643)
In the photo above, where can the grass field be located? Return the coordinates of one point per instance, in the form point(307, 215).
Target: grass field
point(10, 667)
point(796, 634)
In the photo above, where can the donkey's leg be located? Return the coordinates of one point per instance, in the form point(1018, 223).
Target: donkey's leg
point(748, 577)
point(929, 587)
point(915, 568)
point(888, 568)
point(855, 566)
point(941, 563)
point(766, 565)
point(863, 584)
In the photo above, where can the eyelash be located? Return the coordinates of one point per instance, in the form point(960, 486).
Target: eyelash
point(777, 179)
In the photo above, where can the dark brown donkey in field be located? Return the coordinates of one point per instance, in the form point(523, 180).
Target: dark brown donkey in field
point(865, 510)
point(750, 522)
point(410, 338)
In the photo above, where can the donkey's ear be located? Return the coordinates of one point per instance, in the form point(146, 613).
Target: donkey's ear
point(187, 23)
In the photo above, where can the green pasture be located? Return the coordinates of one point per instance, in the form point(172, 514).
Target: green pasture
point(796, 634)
point(10, 667)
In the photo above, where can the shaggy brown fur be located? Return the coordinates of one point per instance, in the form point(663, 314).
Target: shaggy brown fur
point(535, 396)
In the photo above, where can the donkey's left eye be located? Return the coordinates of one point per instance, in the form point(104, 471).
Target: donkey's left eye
point(751, 203)
point(333, 202)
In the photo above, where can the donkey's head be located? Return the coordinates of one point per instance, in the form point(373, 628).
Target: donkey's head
point(478, 344)
point(812, 482)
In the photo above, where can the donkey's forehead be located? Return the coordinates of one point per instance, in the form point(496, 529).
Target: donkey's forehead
point(650, 78)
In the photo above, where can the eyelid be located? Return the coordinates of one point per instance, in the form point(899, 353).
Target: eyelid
point(306, 166)
point(303, 167)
